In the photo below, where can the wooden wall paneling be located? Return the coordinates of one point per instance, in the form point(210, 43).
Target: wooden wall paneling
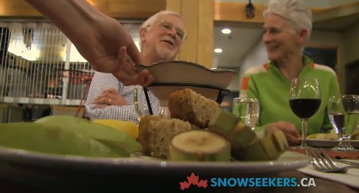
point(189, 12)
point(198, 18)
point(174, 5)
point(234, 11)
point(205, 33)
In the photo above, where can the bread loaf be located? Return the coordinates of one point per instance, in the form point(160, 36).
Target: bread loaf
point(156, 132)
point(190, 106)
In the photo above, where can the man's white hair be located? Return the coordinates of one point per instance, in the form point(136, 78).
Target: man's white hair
point(153, 19)
point(295, 11)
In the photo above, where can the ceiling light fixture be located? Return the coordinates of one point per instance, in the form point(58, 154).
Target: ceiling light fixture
point(226, 31)
point(218, 50)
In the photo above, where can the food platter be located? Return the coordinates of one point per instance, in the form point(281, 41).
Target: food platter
point(84, 173)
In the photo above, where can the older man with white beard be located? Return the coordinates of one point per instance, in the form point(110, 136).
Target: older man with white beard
point(161, 37)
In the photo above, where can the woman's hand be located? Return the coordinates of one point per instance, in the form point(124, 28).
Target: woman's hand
point(289, 130)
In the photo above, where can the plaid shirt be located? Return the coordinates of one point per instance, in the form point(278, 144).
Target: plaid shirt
point(103, 81)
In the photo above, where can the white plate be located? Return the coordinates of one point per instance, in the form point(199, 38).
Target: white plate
point(171, 76)
point(329, 143)
point(82, 173)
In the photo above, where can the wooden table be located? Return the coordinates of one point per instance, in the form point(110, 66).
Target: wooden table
point(325, 186)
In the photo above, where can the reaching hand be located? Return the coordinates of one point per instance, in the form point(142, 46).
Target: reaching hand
point(289, 130)
point(129, 75)
point(112, 47)
point(100, 39)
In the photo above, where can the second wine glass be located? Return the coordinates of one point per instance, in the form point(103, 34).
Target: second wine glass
point(247, 109)
point(304, 100)
point(344, 116)
point(147, 104)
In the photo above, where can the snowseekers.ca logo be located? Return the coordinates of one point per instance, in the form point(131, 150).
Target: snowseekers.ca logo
point(193, 180)
point(246, 182)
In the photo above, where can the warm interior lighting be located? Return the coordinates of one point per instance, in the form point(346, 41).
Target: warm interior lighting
point(218, 50)
point(226, 31)
point(22, 51)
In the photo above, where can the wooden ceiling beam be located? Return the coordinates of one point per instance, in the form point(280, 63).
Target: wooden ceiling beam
point(142, 9)
point(121, 9)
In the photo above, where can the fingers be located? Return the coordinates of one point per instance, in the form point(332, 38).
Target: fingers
point(291, 133)
point(122, 55)
point(129, 78)
point(133, 52)
point(110, 91)
point(100, 106)
point(293, 140)
point(127, 73)
point(290, 129)
point(145, 78)
point(107, 97)
point(101, 101)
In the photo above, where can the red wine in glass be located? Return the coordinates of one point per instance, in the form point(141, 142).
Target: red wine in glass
point(304, 108)
point(304, 100)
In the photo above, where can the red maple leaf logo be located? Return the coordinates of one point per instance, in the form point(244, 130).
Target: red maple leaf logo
point(193, 180)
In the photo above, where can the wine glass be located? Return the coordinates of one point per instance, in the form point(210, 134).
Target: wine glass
point(304, 100)
point(344, 115)
point(247, 109)
point(147, 104)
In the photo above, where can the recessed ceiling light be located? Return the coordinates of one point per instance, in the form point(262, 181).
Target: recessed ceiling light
point(226, 31)
point(218, 50)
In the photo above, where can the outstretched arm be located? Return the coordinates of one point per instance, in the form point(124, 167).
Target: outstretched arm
point(75, 18)
point(100, 39)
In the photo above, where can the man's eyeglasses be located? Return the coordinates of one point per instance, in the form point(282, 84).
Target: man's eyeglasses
point(169, 26)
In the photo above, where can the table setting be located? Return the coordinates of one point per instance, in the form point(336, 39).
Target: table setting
point(35, 170)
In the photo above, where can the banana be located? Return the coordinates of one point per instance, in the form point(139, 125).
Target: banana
point(199, 145)
point(268, 148)
point(53, 140)
point(227, 124)
point(101, 133)
point(245, 145)
point(128, 127)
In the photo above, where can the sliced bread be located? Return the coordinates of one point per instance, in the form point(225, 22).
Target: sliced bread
point(155, 133)
point(190, 106)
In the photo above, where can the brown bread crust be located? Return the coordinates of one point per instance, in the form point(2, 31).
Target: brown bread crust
point(155, 133)
point(190, 106)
